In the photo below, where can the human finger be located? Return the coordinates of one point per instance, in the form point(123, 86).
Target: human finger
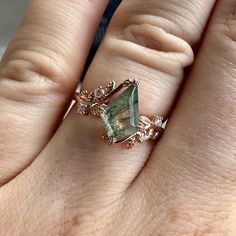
point(38, 74)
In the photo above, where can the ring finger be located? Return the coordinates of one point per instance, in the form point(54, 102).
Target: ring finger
point(151, 41)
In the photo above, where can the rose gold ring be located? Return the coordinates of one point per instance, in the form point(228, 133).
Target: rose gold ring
point(117, 106)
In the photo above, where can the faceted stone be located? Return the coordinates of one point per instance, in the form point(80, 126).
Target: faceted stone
point(98, 93)
point(142, 136)
point(158, 121)
point(121, 117)
point(81, 109)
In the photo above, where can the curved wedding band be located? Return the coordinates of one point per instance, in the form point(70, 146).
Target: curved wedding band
point(120, 113)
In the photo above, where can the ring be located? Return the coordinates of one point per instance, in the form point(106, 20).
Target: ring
point(117, 106)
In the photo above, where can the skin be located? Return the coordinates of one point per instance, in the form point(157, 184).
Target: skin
point(58, 177)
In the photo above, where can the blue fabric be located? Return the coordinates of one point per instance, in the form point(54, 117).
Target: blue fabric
point(112, 5)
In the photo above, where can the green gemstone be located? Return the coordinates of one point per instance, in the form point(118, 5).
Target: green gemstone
point(121, 115)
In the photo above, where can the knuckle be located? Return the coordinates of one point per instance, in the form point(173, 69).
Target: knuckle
point(228, 20)
point(32, 73)
point(231, 26)
point(148, 42)
point(223, 34)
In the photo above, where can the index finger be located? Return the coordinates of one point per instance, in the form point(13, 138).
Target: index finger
point(38, 74)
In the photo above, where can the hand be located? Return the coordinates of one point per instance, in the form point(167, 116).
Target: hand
point(58, 177)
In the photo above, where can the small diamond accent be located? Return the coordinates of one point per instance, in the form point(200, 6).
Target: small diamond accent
point(112, 140)
point(81, 109)
point(98, 93)
point(142, 136)
point(158, 121)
